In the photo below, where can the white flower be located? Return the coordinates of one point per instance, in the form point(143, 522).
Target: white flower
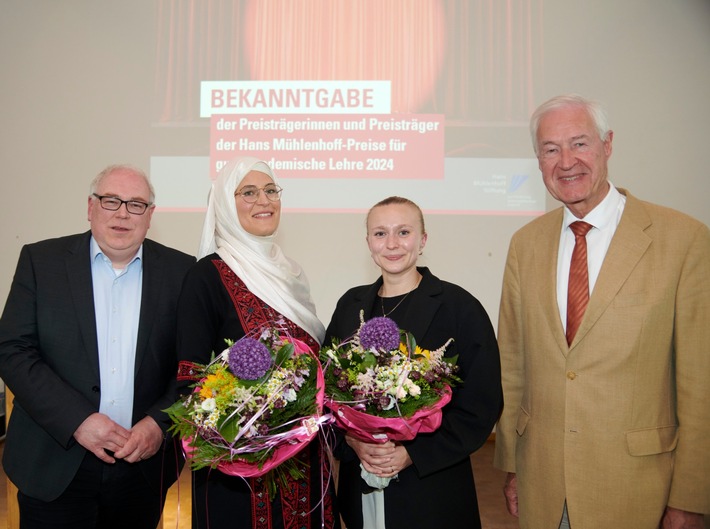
point(366, 380)
point(299, 377)
point(412, 388)
point(400, 392)
point(289, 395)
point(211, 421)
point(252, 432)
point(403, 377)
point(209, 404)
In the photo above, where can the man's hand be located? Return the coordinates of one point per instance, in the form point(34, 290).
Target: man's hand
point(145, 440)
point(98, 433)
point(677, 519)
point(510, 490)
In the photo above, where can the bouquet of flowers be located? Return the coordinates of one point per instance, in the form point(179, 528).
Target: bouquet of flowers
point(253, 407)
point(381, 386)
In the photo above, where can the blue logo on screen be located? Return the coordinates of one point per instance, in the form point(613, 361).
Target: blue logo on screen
point(516, 181)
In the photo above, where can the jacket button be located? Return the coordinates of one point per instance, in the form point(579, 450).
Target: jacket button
point(95, 389)
point(571, 375)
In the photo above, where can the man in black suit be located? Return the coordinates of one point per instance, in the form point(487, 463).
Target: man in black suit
point(87, 345)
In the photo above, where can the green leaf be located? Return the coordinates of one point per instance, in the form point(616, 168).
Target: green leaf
point(175, 409)
point(345, 363)
point(451, 359)
point(410, 342)
point(230, 428)
point(369, 360)
point(284, 353)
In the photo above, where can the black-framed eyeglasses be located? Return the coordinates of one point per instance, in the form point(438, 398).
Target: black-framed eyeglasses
point(250, 194)
point(135, 207)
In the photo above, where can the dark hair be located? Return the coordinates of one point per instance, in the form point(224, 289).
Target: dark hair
point(397, 201)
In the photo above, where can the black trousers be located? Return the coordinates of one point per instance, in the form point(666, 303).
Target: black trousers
point(101, 496)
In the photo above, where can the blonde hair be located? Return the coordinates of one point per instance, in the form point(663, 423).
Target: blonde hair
point(397, 201)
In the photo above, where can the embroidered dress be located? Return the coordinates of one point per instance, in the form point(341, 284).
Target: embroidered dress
point(214, 305)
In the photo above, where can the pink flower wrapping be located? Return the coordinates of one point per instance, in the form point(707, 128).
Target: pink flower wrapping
point(382, 386)
point(374, 429)
point(283, 445)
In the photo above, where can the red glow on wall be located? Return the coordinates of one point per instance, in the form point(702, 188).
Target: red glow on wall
point(398, 40)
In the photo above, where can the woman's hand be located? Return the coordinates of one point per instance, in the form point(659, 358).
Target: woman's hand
point(385, 460)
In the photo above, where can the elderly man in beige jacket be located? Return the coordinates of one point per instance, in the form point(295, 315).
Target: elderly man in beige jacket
point(610, 427)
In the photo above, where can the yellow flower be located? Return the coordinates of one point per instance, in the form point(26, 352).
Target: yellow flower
point(207, 385)
point(426, 353)
point(417, 351)
point(215, 383)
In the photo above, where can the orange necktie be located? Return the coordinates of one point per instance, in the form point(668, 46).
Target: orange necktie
point(578, 286)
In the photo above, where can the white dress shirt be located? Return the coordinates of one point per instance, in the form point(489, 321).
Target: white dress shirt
point(604, 219)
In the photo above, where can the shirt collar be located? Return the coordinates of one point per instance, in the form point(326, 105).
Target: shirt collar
point(95, 251)
point(603, 214)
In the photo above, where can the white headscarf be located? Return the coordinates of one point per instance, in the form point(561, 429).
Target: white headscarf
point(257, 260)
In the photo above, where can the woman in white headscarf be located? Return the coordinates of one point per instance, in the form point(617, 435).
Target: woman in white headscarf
point(241, 283)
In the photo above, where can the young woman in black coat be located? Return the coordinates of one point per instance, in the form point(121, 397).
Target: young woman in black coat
point(434, 485)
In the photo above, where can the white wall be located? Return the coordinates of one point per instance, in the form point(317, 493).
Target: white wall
point(77, 85)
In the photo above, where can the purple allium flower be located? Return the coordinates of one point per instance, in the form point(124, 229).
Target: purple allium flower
point(249, 359)
point(379, 333)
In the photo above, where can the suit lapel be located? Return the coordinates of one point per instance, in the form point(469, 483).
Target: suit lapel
point(150, 297)
point(424, 306)
point(78, 267)
point(547, 244)
point(627, 247)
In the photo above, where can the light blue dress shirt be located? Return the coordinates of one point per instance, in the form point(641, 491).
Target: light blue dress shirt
point(117, 302)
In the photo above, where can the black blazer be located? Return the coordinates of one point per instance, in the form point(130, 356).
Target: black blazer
point(49, 359)
point(438, 489)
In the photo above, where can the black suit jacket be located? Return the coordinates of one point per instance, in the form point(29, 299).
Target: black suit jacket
point(49, 359)
point(438, 489)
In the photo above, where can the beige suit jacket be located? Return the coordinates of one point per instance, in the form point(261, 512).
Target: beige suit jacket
point(618, 423)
